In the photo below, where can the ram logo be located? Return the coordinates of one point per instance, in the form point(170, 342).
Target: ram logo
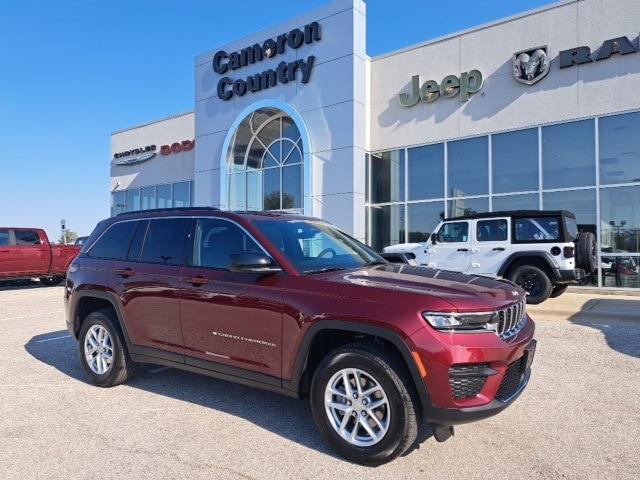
point(532, 65)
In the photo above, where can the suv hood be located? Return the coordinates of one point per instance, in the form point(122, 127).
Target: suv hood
point(463, 292)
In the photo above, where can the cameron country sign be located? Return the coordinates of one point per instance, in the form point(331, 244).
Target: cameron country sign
point(224, 62)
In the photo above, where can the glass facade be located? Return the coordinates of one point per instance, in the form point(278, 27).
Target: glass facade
point(265, 163)
point(590, 167)
point(168, 195)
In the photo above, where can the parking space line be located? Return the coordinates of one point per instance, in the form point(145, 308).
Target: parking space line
point(52, 339)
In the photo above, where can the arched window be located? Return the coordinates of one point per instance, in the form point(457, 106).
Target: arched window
point(265, 161)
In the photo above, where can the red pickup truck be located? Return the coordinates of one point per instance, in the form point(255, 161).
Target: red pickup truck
point(27, 253)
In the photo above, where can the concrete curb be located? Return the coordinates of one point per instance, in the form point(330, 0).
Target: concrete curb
point(581, 314)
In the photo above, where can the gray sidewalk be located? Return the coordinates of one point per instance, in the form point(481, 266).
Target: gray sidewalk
point(589, 306)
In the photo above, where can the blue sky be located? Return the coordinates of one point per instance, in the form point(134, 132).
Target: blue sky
point(74, 71)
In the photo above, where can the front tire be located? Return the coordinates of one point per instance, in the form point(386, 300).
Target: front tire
point(534, 281)
point(102, 350)
point(364, 404)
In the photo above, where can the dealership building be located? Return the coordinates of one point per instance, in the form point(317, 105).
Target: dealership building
point(537, 111)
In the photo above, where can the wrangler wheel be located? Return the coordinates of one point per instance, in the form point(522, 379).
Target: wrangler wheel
point(534, 281)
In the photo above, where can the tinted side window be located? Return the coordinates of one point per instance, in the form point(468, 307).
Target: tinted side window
point(166, 240)
point(537, 229)
point(215, 242)
point(454, 232)
point(491, 230)
point(136, 244)
point(27, 237)
point(4, 238)
point(114, 243)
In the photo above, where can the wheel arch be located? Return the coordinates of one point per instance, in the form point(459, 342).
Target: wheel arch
point(352, 331)
point(538, 258)
point(88, 301)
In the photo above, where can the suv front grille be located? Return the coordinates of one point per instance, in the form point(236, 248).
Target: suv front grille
point(511, 320)
point(466, 381)
point(511, 381)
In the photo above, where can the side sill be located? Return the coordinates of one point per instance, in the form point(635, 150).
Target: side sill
point(213, 373)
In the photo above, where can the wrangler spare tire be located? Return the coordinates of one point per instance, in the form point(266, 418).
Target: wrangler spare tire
point(586, 252)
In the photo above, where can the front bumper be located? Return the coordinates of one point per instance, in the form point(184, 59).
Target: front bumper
point(505, 370)
point(456, 416)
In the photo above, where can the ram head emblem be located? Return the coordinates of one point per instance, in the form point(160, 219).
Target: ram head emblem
point(531, 66)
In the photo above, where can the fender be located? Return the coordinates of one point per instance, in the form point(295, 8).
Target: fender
point(131, 347)
point(545, 256)
point(349, 327)
point(102, 295)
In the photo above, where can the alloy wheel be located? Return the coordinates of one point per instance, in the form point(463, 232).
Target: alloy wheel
point(98, 349)
point(357, 407)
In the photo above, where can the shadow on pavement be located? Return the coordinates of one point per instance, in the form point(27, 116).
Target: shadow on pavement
point(617, 319)
point(287, 417)
point(21, 285)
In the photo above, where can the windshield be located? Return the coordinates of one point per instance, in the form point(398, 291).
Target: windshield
point(314, 246)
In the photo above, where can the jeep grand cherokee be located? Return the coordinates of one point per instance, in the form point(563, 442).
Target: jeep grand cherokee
point(293, 305)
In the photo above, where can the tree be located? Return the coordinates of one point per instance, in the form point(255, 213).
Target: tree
point(69, 236)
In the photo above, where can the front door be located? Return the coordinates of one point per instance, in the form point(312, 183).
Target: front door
point(452, 250)
point(27, 254)
point(230, 318)
point(491, 245)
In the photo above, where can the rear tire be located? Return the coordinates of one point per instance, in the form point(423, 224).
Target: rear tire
point(586, 252)
point(534, 281)
point(559, 290)
point(334, 405)
point(102, 350)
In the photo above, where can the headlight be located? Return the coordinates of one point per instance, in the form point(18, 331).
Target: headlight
point(484, 321)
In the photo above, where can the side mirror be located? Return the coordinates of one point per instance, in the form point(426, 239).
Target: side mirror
point(434, 238)
point(253, 262)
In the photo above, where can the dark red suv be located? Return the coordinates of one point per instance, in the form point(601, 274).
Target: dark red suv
point(293, 305)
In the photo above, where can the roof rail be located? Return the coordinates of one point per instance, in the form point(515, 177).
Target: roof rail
point(171, 209)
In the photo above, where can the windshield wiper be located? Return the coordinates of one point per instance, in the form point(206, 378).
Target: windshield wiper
point(323, 270)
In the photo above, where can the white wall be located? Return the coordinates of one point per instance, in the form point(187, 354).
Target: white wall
point(331, 104)
point(503, 104)
point(161, 168)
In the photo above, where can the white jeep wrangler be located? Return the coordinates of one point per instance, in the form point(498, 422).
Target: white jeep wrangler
point(541, 251)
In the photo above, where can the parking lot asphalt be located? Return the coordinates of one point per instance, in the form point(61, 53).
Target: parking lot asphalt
point(579, 417)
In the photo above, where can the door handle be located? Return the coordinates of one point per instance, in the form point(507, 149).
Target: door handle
point(499, 249)
point(197, 281)
point(126, 272)
point(5, 251)
point(463, 249)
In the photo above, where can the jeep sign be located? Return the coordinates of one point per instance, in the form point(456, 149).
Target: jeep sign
point(466, 85)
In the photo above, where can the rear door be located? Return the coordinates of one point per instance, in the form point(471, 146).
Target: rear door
point(150, 282)
point(6, 253)
point(452, 250)
point(491, 245)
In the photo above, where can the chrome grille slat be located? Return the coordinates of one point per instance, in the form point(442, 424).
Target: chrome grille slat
point(510, 320)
